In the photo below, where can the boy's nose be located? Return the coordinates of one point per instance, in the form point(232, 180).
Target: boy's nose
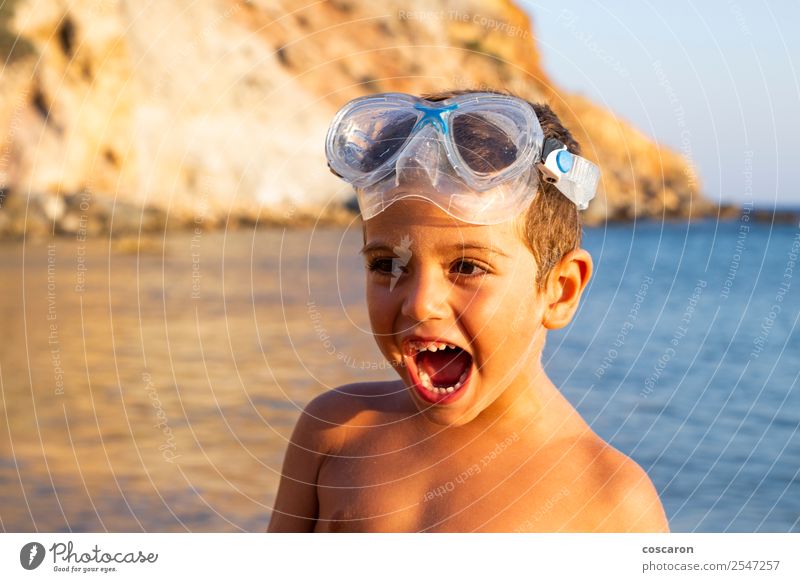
point(426, 297)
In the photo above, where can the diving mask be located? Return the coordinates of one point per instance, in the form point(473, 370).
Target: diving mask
point(394, 146)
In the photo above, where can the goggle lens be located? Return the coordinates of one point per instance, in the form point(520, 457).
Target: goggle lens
point(367, 140)
point(482, 141)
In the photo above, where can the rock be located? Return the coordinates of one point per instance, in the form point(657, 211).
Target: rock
point(211, 111)
point(773, 216)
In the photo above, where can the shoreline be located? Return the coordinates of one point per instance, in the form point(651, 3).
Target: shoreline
point(83, 217)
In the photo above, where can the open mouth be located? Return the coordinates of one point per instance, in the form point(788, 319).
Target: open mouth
point(440, 370)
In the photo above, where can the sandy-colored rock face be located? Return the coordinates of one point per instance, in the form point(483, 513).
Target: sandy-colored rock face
point(205, 107)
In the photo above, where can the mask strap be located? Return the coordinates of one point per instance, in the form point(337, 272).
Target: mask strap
point(574, 176)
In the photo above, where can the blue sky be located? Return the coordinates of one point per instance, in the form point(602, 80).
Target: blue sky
point(718, 81)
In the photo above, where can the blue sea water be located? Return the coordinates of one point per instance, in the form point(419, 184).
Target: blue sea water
point(685, 355)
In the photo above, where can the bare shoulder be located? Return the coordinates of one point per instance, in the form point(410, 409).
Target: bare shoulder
point(616, 493)
point(323, 423)
point(320, 432)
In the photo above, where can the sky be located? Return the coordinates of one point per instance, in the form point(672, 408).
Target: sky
point(718, 81)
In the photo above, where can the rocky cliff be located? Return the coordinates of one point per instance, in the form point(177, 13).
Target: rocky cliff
point(117, 114)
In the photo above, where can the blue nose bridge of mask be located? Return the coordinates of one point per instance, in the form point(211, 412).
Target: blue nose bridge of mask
point(433, 115)
point(423, 157)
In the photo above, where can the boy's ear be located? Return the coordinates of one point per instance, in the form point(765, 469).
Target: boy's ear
point(564, 288)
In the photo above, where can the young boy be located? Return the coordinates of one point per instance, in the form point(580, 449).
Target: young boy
point(472, 245)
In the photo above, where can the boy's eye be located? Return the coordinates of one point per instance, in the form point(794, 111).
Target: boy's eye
point(467, 268)
point(381, 266)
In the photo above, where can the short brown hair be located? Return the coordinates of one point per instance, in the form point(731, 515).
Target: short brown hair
point(551, 227)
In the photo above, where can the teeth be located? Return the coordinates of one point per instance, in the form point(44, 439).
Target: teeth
point(426, 380)
point(430, 346)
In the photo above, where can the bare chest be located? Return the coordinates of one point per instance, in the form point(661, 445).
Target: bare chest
point(417, 488)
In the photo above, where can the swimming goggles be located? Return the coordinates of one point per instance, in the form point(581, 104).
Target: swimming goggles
point(477, 156)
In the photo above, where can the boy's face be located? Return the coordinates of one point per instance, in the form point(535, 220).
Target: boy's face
point(431, 277)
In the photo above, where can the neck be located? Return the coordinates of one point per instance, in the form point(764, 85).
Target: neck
point(523, 402)
point(531, 406)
